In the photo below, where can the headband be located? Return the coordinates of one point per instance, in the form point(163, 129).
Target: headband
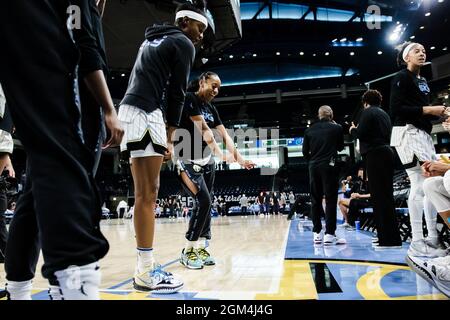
point(408, 49)
point(192, 15)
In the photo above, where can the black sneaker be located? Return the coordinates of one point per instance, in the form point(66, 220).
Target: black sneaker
point(3, 294)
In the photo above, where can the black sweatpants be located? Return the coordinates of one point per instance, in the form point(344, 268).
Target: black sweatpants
point(203, 178)
point(380, 172)
point(38, 75)
point(323, 181)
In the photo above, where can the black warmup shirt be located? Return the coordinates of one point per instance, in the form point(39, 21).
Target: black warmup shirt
point(374, 129)
point(89, 39)
point(409, 94)
point(322, 141)
point(193, 106)
point(160, 73)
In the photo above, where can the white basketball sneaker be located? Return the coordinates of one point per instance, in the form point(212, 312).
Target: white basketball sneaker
point(318, 237)
point(436, 275)
point(331, 239)
point(156, 280)
point(420, 248)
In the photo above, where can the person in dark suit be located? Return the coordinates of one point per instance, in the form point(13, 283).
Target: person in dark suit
point(374, 132)
point(320, 146)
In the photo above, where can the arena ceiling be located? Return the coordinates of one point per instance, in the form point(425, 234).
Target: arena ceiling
point(289, 50)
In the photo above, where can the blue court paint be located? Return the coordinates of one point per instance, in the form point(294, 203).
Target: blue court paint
point(402, 283)
point(358, 247)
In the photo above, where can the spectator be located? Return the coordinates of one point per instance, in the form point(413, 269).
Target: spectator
point(122, 207)
point(244, 204)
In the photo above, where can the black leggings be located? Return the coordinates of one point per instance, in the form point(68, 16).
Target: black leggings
point(203, 179)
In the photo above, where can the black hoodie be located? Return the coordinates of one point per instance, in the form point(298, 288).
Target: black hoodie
point(161, 72)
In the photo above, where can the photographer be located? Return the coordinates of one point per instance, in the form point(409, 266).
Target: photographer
point(6, 148)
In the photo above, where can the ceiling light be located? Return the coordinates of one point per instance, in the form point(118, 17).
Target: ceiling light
point(314, 54)
point(352, 53)
point(422, 27)
point(123, 74)
point(327, 53)
point(380, 53)
point(220, 59)
point(334, 40)
point(427, 14)
point(278, 53)
point(445, 49)
point(343, 39)
point(412, 37)
point(231, 56)
point(359, 39)
point(433, 47)
point(302, 53)
point(254, 54)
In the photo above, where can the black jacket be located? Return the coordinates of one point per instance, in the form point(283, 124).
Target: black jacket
point(374, 129)
point(89, 39)
point(161, 72)
point(409, 95)
point(322, 142)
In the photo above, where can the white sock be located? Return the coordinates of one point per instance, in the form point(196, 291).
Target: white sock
point(203, 243)
point(415, 215)
point(189, 245)
point(80, 283)
point(145, 259)
point(19, 290)
point(430, 218)
point(54, 292)
point(415, 202)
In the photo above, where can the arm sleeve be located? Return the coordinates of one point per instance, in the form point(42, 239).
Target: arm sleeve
point(398, 93)
point(364, 126)
point(191, 107)
point(184, 58)
point(86, 40)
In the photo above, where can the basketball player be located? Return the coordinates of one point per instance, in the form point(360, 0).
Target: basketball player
point(196, 168)
point(161, 71)
point(412, 113)
point(40, 79)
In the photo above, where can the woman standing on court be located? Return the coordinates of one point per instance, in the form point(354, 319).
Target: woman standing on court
point(196, 167)
point(412, 115)
point(160, 72)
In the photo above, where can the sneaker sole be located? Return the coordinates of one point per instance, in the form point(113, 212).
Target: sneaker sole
point(426, 275)
point(334, 243)
point(190, 267)
point(166, 290)
point(386, 248)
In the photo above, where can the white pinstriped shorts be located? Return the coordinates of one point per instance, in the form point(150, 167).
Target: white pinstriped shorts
point(6, 142)
point(145, 132)
point(410, 141)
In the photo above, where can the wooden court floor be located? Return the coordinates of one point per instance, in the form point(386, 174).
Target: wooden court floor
point(259, 257)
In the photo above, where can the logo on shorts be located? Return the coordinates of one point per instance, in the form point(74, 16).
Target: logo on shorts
point(196, 168)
